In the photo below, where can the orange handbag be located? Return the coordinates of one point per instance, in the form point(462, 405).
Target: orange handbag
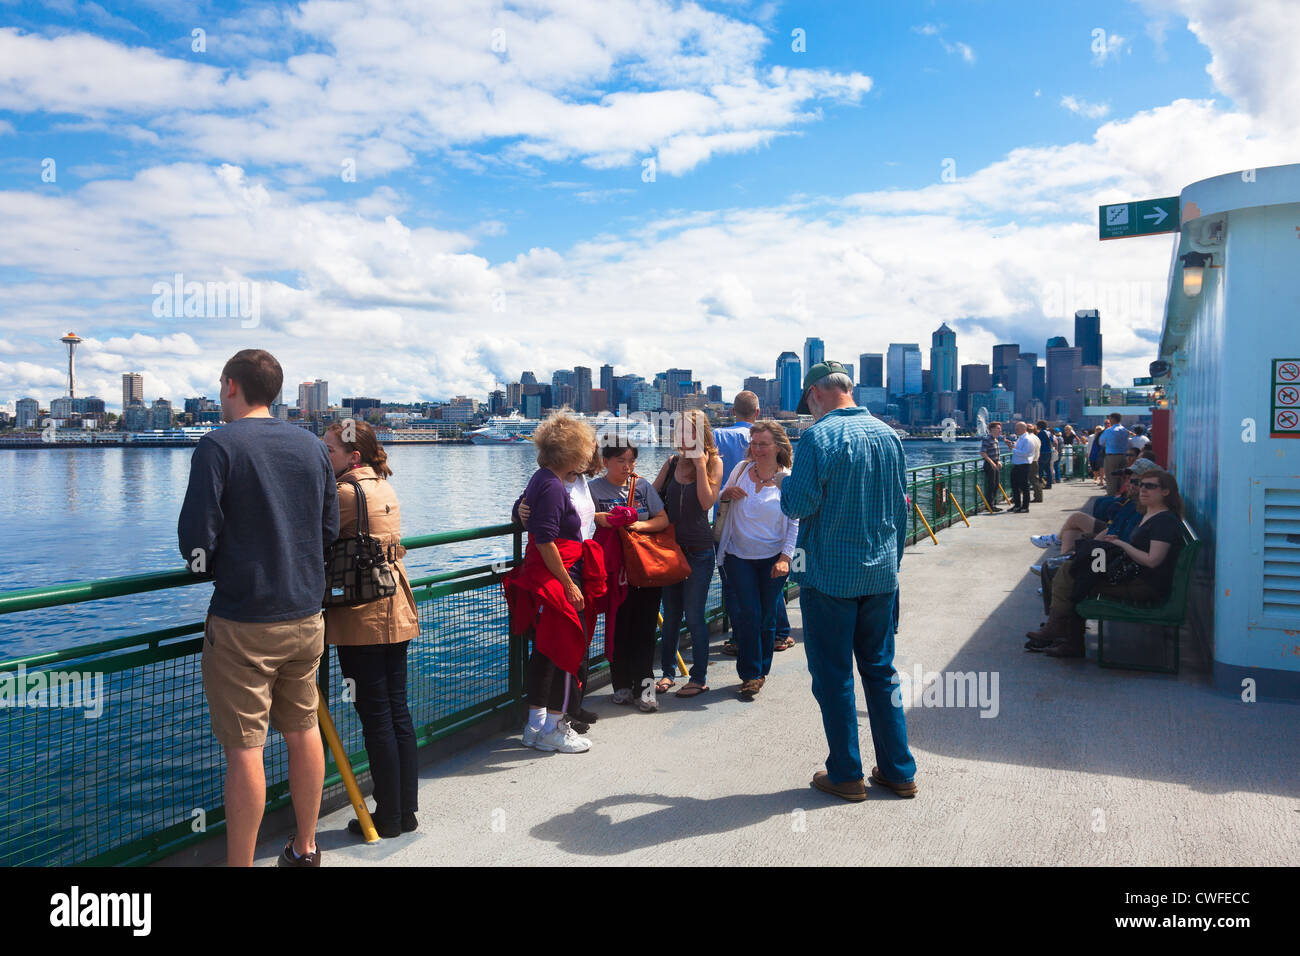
point(652, 559)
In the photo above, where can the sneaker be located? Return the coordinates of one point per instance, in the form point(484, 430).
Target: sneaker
point(580, 727)
point(290, 858)
point(563, 740)
point(1043, 541)
point(648, 702)
point(623, 696)
point(531, 737)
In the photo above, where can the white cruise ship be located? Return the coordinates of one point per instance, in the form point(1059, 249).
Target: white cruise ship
point(517, 430)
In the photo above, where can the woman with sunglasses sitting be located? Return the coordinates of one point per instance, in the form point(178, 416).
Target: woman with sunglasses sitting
point(1153, 547)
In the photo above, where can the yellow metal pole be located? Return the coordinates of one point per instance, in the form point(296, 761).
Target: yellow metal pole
point(986, 501)
point(924, 522)
point(1004, 492)
point(957, 504)
point(680, 663)
point(345, 770)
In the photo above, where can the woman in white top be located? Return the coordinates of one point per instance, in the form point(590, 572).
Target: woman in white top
point(755, 548)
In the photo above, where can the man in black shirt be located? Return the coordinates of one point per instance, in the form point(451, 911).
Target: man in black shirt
point(260, 508)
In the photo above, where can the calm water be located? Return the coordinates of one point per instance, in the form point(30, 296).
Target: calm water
point(95, 513)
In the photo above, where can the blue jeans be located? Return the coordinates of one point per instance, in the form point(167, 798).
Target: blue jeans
point(688, 598)
point(836, 630)
point(753, 615)
point(782, 615)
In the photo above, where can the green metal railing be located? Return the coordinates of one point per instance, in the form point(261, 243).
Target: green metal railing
point(144, 778)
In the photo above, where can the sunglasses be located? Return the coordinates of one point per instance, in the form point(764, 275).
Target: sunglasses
point(1149, 485)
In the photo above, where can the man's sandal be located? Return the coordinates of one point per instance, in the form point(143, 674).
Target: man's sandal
point(663, 684)
point(692, 689)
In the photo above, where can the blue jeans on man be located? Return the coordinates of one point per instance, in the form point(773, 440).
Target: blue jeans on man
point(836, 631)
point(688, 600)
point(756, 595)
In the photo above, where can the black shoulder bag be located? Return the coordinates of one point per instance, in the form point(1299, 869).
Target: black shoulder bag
point(357, 569)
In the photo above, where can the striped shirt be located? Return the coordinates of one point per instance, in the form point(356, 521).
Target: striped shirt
point(848, 490)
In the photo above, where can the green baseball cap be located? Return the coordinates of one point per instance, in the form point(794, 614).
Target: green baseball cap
point(816, 374)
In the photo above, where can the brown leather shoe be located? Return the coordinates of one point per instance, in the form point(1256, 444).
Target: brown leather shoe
point(902, 789)
point(854, 791)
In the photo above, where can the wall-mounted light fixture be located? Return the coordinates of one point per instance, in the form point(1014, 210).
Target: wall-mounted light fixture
point(1194, 265)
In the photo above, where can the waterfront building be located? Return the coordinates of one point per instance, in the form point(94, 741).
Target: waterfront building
point(497, 402)
point(975, 380)
point(1087, 335)
point(1001, 404)
point(943, 359)
point(515, 393)
point(789, 375)
point(871, 397)
point(1086, 378)
point(714, 393)
point(599, 401)
point(527, 378)
point(132, 388)
point(871, 369)
point(644, 397)
point(313, 398)
point(904, 369)
point(27, 412)
point(814, 351)
point(532, 405)
point(160, 415)
point(135, 418)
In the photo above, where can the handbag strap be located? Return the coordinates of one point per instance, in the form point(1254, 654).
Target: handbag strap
point(363, 512)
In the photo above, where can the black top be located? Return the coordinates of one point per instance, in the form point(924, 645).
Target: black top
point(260, 508)
point(682, 502)
point(1163, 526)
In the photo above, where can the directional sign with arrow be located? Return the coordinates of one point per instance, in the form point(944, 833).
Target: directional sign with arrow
point(1143, 217)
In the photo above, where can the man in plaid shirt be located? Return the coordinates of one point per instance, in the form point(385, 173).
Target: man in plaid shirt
point(848, 488)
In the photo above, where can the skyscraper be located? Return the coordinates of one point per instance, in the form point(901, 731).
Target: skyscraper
point(814, 351)
point(904, 369)
point(943, 359)
point(1062, 370)
point(607, 383)
point(582, 388)
point(132, 388)
point(871, 369)
point(313, 398)
point(1087, 335)
point(528, 378)
point(976, 380)
point(789, 374)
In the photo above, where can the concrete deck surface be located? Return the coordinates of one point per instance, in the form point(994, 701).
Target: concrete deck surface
point(1080, 766)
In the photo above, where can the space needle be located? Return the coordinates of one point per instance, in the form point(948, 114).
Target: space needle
point(71, 340)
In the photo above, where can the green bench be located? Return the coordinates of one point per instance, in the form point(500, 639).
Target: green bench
point(1172, 613)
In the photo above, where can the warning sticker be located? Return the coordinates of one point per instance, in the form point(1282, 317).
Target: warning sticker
point(1285, 405)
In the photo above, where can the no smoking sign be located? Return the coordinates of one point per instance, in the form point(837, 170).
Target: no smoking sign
point(1285, 406)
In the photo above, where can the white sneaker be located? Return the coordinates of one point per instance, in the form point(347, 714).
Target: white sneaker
point(563, 740)
point(648, 702)
point(1043, 541)
point(623, 695)
point(531, 736)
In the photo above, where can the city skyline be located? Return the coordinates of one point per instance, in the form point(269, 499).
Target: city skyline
point(594, 196)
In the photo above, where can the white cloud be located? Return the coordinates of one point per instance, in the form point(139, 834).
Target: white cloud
point(1082, 107)
point(403, 79)
point(954, 47)
point(1252, 47)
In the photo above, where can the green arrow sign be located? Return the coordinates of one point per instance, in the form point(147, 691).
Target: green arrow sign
point(1141, 381)
point(1143, 217)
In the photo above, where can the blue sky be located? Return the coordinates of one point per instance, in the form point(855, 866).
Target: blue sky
point(500, 219)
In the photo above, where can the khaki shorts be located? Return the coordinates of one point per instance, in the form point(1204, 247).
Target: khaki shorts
point(253, 673)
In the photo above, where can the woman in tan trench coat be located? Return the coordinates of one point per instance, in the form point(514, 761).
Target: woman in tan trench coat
point(372, 638)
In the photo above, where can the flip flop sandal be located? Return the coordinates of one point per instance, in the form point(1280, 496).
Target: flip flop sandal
point(784, 645)
point(730, 648)
point(692, 690)
point(663, 684)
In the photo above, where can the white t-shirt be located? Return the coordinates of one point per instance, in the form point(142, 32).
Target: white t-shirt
point(756, 526)
point(1139, 442)
point(1038, 445)
point(586, 508)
